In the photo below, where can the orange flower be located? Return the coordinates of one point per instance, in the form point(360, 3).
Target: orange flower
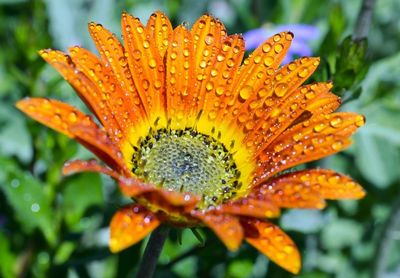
point(198, 138)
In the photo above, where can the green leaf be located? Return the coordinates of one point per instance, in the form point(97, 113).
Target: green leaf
point(80, 193)
point(25, 194)
point(351, 66)
point(7, 258)
point(240, 268)
point(376, 158)
point(64, 252)
point(12, 2)
point(341, 233)
point(305, 221)
point(14, 138)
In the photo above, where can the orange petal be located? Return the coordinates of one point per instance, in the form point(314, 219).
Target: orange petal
point(145, 64)
point(224, 68)
point(77, 166)
point(207, 33)
point(179, 76)
point(159, 29)
point(310, 140)
point(280, 115)
point(97, 141)
point(126, 110)
point(87, 90)
point(261, 65)
point(55, 114)
point(321, 182)
point(250, 207)
point(113, 54)
point(130, 225)
point(273, 93)
point(226, 227)
point(287, 193)
point(273, 243)
point(170, 200)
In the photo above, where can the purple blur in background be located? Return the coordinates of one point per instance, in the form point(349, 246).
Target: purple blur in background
point(303, 35)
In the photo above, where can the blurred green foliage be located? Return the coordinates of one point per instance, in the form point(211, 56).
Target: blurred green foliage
point(52, 226)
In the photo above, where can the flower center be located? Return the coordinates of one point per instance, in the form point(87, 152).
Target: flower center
point(187, 161)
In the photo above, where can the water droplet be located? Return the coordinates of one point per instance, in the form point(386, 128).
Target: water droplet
point(230, 62)
point(219, 91)
point(310, 95)
point(152, 63)
point(186, 52)
point(319, 127)
point(268, 61)
point(209, 39)
point(360, 120)
point(212, 114)
point(137, 54)
point(336, 122)
point(277, 37)
point(203, 64)
point(209, 86)
point(245, 92)
point(266, 47)
point(242, 118)
point(257, 59)
point(146, 44)
point(280, 89)
point(35, 207)
point(303, 72)
point(15, 183)
point(157, 84)
point(72, 117)
point(278, 48)
point(220, 57)
point(337, 145)
point(123, 61)
point(173, 55)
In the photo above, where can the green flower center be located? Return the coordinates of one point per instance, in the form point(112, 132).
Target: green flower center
point(187, 161)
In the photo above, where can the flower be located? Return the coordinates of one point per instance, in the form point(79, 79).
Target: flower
point(300, 45)
point(198, 138)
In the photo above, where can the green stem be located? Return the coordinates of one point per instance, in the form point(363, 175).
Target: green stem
point(149, 260)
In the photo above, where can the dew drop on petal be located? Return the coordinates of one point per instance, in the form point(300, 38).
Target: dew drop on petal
point(245, 92)
point(209, 39)
point(281, 89)
point(336, 122)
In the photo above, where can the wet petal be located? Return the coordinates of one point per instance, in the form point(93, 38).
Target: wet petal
point(310, 140)
point(321, 183)
point(159, 29)
point(273, 243)
point(259, 208)
point(78, 166)
point(130, 225)
point(226, 227)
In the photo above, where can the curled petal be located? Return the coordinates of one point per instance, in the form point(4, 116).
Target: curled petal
point(273, 243)
point(97, 141)
point(77, 166)
point(251, 207)
point(54, 114)
point(75, 124)
point(226, 227)
point(130, 225)
point(158, 197)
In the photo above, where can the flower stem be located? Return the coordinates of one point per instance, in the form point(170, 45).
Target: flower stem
point(153, 249)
